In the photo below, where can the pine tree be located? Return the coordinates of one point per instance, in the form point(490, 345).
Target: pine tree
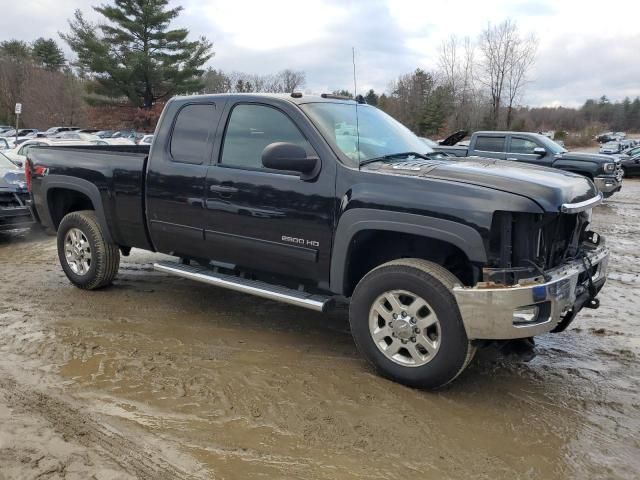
point(48, 53)
point(15, 50)
point(371, 98)
point(136, 54)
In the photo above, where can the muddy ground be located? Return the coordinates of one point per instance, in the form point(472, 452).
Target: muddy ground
point(159, 377)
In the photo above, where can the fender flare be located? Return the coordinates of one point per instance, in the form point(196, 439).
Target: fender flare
point(354, 221)
point(78, 185)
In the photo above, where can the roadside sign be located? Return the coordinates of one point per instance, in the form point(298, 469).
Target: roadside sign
point(18, 108)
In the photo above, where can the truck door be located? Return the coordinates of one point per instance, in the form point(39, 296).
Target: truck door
point(176, 177)
point(263, 219)
point(521, 149)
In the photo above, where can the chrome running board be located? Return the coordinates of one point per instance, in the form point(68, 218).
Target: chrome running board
point(319, 303)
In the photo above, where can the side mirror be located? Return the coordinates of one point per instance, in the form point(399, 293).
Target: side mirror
point(541, 152)
point(290, 157)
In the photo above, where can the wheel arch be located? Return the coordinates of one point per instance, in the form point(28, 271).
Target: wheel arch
point(436, 231)
point(69, 194)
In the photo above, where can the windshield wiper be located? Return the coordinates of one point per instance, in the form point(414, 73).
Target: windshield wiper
point(394, 155)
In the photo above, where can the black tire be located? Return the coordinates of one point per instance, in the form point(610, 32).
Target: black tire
point(104, 257)
point(433, 284)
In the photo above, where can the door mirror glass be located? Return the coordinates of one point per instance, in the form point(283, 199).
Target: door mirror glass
point(290, 157)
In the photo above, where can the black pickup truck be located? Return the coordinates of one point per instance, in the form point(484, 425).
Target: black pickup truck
point(313, 200)
point(604, 170)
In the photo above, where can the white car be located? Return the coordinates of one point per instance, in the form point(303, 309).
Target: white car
point(4, 145)
point(53, 131)
point(113, 141)
point(146, 140)
point(18, 155)
point(23, 134)
point(85, 137)
point(610, 148)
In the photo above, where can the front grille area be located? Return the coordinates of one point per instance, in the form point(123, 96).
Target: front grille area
point(523, 244)
point(12, 200)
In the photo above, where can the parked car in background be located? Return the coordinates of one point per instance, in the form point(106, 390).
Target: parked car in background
point(112, 141)
point(148, 140)
point(14, 212)
point(626, 144)
point(128, 134)
point(14, 139)
point(86, 137)
point(633, 151)
point(104, 133)
point(610, 148)
point(18, 155)
point(534, 148)
point(631, 166)
point(4, 145)
point(56, 130)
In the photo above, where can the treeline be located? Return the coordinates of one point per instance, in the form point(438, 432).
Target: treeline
point(37, 76)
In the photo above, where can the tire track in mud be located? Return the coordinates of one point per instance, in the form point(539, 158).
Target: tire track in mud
point(136, 458)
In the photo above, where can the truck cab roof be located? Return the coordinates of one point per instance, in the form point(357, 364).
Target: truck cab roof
point(295, 98)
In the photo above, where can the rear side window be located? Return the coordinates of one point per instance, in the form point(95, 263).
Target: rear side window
point(251, 128)
point(522, 145)
point(192, 134)
point(490, 144)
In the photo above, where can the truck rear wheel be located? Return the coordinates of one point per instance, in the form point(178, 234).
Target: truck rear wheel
point(406, 322)
point(86, 258)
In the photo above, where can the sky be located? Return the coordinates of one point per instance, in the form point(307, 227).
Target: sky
point(586, 48)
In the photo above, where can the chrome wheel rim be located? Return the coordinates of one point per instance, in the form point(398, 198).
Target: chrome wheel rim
point(405, 328)
point(77, 251)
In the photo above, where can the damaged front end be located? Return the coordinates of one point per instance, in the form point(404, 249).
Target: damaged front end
point(14, 198)
point(543, 269)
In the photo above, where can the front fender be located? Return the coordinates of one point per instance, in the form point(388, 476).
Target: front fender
point(356, 220)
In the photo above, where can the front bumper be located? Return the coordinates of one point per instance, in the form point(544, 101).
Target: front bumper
point(15, 217)
point(609, 183)
point(488, 312)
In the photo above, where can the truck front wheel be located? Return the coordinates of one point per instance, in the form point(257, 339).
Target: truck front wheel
point(406, 322)
point(87, 259)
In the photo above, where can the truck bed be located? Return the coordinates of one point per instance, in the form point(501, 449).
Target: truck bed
point(116, 172)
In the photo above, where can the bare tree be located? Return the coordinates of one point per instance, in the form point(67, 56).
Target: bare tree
point(496, 44)
point(456, 64)
point(520, 61)
point(291, 80)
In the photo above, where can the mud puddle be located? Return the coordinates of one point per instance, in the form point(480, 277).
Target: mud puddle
point(159, 377)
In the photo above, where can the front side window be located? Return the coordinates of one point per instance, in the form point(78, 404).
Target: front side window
point(251, 128)
point(522, 145)
point(192, 133)
point(490, 144)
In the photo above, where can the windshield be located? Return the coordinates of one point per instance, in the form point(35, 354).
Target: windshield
point(380, 135)
point(550, 145)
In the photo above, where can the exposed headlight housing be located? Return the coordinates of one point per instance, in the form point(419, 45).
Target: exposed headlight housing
point(609, 167)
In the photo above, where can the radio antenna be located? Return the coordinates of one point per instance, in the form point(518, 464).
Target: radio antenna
point(355, 97)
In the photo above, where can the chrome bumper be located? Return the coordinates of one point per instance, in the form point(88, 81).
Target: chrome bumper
point(487, 313)
point(609, 183)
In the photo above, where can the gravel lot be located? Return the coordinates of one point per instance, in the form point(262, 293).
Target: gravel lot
point(159, 377)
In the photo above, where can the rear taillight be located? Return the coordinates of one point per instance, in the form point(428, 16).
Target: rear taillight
point(27, 174)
